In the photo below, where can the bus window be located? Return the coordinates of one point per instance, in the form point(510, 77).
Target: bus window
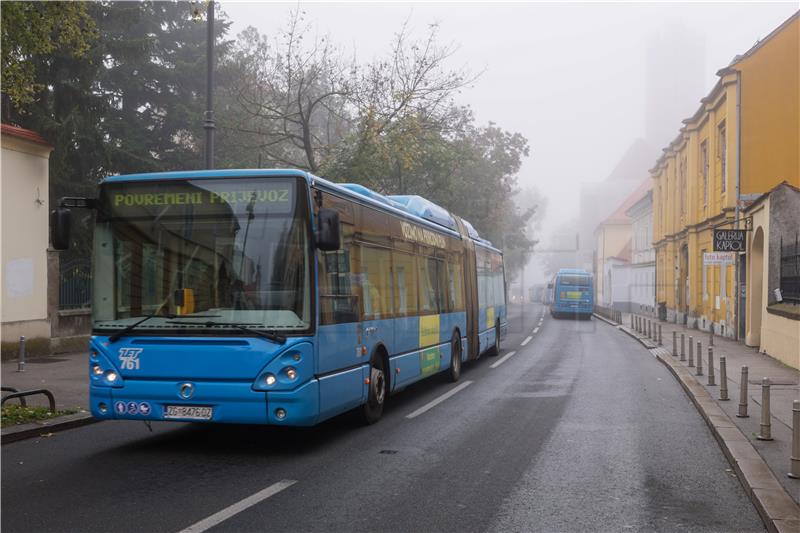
point(338, 301)
point(405, 287)
point(376, 274)
point(456, 284)
point(430, 285)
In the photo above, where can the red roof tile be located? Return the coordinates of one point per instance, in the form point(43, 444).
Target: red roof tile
point(22, 133)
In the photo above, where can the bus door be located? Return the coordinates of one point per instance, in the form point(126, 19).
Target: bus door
point(470, 294)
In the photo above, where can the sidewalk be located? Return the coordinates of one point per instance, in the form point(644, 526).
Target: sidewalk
point(785, 388)
point(65, 375)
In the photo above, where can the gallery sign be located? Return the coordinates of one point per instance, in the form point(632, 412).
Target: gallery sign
point(729, 240)
point(718, 258)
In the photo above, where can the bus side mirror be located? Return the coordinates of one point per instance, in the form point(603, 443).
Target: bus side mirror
point(327, 234)
point(59, 228)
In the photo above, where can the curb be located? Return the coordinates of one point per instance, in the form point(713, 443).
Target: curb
point(604, 319)
point(779, 512)
point(37, 429)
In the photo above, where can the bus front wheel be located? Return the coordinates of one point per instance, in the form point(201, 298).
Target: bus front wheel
point(372, 410)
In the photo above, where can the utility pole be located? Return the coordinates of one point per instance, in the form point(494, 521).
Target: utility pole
point(208, 123)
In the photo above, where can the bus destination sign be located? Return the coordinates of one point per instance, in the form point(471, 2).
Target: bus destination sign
point(729, 240)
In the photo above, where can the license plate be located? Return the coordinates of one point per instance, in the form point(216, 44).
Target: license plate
point(188, 412)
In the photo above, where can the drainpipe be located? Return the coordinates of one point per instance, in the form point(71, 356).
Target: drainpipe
point(738, 196)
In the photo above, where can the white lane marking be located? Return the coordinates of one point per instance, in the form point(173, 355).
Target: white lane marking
point(238, 507)
point(430, 405)
point(502, 360)
point(526, 341)
point(535, 331)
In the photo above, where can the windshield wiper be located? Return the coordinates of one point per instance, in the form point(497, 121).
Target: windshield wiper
point(274, 337)
point(114, 337)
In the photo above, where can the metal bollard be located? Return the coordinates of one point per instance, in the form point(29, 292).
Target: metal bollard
point(632, 322)
point(691, 351)
point(21, 357)
point(674, 344)
point(711, 335)
point(723, 379)
point(711, 377)
point(743, 395)
point(647, 329)
point(660, 338)
point(683, 347)
point(699, 370)
point(766, 426)
point(794, 471)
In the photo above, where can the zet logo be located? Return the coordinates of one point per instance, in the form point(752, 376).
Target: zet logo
point(129, 358)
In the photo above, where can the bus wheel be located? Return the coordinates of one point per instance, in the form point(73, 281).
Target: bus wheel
point(455, 358)
point(495, 350)
point(372, 410)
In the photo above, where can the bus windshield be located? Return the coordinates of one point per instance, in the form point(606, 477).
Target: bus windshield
point(232, 252)
point(576, 280)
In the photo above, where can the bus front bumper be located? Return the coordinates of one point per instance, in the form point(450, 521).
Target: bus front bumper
point(207, 401)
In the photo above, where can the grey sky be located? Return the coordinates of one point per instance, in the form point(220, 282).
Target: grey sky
point(568, 76)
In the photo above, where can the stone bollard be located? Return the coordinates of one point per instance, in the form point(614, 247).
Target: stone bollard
point(699, 370)
point(683, 347)
point(691, 351)
point(711, 376)
point(766, 425)
point(794, 471)
point(723, 379)
point(660, 338)
point(674, 344)
point(743, 395)
point(21, 357)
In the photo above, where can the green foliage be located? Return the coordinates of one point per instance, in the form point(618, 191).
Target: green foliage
point(133, 101)
point(13, 414)
point(31, 31)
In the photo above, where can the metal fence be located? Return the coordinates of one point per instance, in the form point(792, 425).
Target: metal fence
point(790, 270)
point(75, 285)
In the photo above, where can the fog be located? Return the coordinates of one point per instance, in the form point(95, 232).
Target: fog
point(582, 82)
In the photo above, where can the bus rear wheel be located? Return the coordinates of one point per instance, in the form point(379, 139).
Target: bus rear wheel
point(495, 350)
point(372, 410)
point(455, 358)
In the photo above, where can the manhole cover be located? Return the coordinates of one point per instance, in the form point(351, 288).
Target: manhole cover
point(388, 452)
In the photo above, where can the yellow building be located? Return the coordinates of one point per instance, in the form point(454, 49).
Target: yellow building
point(742, 141)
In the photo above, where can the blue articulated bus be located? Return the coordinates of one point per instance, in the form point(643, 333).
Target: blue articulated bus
point(276, 297)
point(572, 294)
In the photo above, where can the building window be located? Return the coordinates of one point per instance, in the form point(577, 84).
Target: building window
point(723, 156)
point(704, 162)
point(682, 182)
point(705, 275)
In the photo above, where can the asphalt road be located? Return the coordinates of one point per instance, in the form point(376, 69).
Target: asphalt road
point(579, 430)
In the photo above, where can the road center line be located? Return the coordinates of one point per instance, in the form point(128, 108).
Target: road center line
point(535, 330)
point(440, 399)
point(502, 360)
point(238, 507)
point(526, 341)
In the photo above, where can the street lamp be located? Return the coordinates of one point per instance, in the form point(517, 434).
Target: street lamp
point(208, 122)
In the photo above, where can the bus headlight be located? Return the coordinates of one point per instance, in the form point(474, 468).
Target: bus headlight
point(111, 376)
point(270, 380)
point(96, 370)
point(291, 373)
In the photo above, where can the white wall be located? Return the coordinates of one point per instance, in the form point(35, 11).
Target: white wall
point(24, 192)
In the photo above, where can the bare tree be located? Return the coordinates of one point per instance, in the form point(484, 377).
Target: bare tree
point(292, 95)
